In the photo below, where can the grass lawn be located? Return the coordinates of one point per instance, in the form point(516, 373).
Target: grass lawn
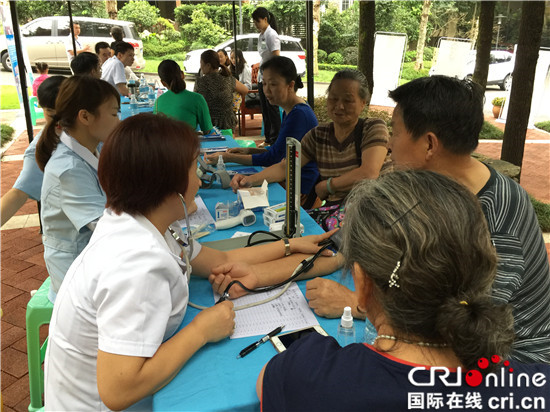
point(152, 64)
point(10, 100)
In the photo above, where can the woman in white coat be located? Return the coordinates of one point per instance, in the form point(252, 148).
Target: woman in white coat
point(114, 338)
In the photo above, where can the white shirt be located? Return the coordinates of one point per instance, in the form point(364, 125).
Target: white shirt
point(268, 42)
point(69, 46)
point(112, 71)
point(125, 294)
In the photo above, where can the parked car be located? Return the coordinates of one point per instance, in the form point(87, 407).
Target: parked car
point(248, 43)
point(501, 67)
point(44, 39)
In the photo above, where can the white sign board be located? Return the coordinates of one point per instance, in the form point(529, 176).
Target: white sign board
point(452, 57)
point(388, 56)
point(540, 101)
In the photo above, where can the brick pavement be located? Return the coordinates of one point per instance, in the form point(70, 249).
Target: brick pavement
point(23, 269)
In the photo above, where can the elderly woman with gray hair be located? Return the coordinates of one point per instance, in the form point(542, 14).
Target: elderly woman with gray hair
point(346, 150)
point(421, 256)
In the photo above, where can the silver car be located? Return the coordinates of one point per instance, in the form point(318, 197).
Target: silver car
point(248, 43)
point(44, 39)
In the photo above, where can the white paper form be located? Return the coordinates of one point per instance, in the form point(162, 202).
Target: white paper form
point(201, 217)
point(289, 309)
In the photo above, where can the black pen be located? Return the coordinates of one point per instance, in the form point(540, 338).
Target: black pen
point(250, 348)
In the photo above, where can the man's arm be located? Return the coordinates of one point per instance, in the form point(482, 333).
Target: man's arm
point(372, 160)
point(122, 89)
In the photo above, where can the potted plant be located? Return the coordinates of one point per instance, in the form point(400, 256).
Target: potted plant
point(498, 102)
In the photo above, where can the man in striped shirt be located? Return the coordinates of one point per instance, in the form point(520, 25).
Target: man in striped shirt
point(436, 126)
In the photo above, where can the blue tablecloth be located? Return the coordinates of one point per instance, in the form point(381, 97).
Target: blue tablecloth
point(214, 379)
point(125, 108)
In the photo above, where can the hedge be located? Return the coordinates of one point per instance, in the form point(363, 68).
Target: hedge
point(6, 133)
point(336, 67)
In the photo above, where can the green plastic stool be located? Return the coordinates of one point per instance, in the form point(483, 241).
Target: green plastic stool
point(245, 143)
point(227, 132)
point(36, 111)
point(39, 312)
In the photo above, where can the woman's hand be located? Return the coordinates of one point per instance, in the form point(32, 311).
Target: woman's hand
point(222, 275)
point(212, 158)
point(239, 150)
point(239, 181)
point(321, 190)
point(216, 322)
point(328, 298)
point(310, 244)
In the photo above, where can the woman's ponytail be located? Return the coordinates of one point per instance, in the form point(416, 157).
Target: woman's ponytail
point(476, 327)
point(47, 143)
point(272, 21)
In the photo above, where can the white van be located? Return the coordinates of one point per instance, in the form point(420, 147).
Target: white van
point(248, 43)
point(44, 39)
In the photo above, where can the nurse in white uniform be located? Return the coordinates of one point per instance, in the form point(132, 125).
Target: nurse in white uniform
point(71, 198)
point(113, 340)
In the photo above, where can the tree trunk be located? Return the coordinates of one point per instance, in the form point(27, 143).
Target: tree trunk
point(316, 26)
point(367, 27)
point(527, 54)
point(475, 25)
point(422, 35)
point(486, 16)
point(111, 7)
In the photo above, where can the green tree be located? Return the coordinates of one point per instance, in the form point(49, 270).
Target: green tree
point(141, 13)
point(29, 10)
point(419, 64)
point(202, 32)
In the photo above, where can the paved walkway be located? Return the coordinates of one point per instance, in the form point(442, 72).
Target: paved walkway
point(23, 268)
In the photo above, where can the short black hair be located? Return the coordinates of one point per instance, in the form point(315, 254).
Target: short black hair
point(450, 108)
point(122, 47)
point(101, 45)
point(84, 63)
point(48, 90)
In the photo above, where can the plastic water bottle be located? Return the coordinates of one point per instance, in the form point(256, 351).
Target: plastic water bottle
point(143, 87)
point(346, 328)
point(151, 96)
point(133, 105)
point(370, 333)
point(221, 164)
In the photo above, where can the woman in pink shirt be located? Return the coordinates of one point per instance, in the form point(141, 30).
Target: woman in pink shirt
point(42, 68)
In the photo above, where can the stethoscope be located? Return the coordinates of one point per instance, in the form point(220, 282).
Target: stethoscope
point(304, 266)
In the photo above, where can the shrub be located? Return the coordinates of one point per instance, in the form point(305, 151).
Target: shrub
point(6, 132)
point(351, 55)
point(409, 73)
point(203, 31)
point(428, 53)
point(336, 67)
point(498, 101)
point(321, 56)
point(544, 125)
point(335, 58)
point(543, 213)
point(166, 30)
point(410, 56)
point(489, 131)
point(141, 13)
point(153, 47)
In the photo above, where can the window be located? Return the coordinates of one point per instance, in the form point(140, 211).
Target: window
point(102, 30)
point(244, 45)
point(40, 28)
point(290, 46)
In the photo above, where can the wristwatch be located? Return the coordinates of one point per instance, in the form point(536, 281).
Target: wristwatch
point(287, 246)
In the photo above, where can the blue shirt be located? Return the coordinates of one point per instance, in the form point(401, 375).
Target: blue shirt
point(30, 178)
point(300, 120)
point(71, 198)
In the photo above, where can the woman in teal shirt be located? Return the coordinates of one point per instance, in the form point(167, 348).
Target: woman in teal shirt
point(179, 103)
